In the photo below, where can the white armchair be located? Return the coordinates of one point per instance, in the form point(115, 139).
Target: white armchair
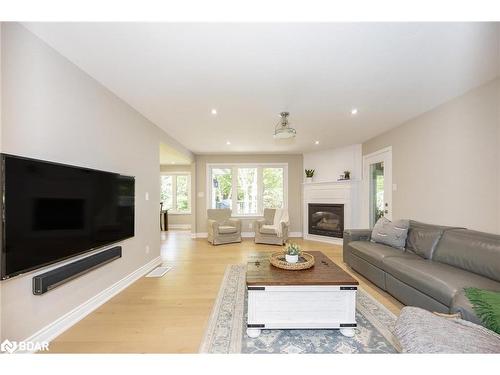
point(222, 228)
point(265, 231)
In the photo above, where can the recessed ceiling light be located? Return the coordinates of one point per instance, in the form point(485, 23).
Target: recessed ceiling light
point(316, 142)
point(213, 111)
point(354, 111)
point(173, 162)
point(228, 143)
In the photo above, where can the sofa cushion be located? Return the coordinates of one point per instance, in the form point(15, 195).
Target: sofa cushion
point(423, 238)
point(374, 253)
point(267, 229)
point(470, 250)
point(390, 233)
point(226, 229)
point(437, 280)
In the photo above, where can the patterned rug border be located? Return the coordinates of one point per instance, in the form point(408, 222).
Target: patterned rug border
point(236, 274)
point(236, 334)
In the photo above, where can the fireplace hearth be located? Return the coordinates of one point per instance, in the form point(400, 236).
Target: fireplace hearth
point(326, 219)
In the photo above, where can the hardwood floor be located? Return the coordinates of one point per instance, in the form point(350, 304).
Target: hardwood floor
point(169, 314)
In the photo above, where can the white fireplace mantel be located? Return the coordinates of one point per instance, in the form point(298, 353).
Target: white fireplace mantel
point(345, 192)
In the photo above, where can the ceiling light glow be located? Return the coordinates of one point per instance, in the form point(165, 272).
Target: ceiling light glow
point(213, 111)
point(354, 111)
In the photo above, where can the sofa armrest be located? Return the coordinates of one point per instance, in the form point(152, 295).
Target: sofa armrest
point(257, 224)
point(351, 235)
point(213, 227)
point(236, 223)
point(357, 235)
point(284, 230)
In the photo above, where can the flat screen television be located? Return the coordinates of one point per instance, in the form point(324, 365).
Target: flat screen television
point(51, 212)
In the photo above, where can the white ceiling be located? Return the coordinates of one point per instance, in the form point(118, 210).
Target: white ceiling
point(174, 74)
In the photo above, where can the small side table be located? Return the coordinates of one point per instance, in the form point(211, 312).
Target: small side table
point(164, 220)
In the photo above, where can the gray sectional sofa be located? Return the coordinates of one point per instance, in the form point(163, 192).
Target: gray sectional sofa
point(432, 270)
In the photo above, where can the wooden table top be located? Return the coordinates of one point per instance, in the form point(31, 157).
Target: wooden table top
point(324, 272)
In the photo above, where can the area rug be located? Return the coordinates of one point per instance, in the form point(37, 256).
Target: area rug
point(226, 329)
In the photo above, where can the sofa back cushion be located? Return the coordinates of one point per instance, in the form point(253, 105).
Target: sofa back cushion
point(472, 251)
point(220, 215)
point(423, 238)
point(269, 215)
point(390, 233)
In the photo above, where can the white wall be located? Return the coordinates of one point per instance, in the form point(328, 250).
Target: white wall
point(52, 110)
point(330, 164)
point(446, 162)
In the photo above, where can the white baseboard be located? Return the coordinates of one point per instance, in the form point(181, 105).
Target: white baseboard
point(325, 239)
point(243, 234)
point(179, 226)
point(54, 329)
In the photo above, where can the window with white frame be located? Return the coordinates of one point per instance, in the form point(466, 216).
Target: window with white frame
point(175, 190)
point(247, 188)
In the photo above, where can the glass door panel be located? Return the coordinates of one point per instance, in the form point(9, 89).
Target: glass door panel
point(377, 187)
point(376, 192)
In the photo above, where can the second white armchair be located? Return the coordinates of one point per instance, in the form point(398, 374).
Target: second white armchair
point(271, 229)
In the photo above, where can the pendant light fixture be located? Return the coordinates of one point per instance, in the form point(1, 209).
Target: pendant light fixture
point(282, 130)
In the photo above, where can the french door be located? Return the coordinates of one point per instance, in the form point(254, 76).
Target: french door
point(377, 186)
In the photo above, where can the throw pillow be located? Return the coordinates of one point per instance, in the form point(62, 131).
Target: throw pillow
point(390, 233)
point(486, 305)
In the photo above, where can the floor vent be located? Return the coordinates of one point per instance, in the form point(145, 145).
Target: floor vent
point(159, 271)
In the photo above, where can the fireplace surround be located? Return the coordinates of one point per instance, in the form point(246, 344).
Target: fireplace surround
point(326, 219)
point(346, 193)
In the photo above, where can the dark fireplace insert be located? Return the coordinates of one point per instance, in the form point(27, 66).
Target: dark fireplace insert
point(326, 219)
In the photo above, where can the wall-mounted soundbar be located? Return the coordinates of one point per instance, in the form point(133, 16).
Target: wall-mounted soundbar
point(49, 280)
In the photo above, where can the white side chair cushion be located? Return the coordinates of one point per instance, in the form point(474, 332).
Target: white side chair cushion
point(267, 229)
point(226, 229)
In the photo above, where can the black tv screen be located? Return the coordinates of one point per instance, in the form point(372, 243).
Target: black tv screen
point(52, 212)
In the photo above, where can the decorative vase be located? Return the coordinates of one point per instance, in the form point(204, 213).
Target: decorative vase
point(309, 179)
point(291, 258)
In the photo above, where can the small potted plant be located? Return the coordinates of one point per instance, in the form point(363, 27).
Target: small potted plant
point(309, 175)
point(292, 252)
point(347, 175)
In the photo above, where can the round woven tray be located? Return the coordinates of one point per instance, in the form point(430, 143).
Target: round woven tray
point(305, 261)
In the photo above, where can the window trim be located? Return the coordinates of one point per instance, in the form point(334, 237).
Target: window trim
point(173, 210)
point(260, 186)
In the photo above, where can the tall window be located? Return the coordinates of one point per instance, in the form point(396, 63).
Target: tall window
point(247, 188)
point(221, 188)
point(247, 191)
point(272, 182)
point(176, 193)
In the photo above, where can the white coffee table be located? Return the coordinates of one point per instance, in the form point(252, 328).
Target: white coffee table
point(322, 297)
